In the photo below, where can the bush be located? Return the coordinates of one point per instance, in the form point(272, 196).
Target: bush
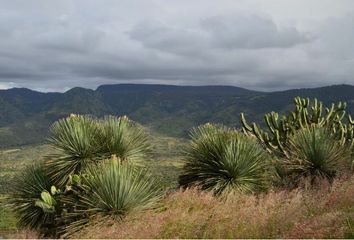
point(77, 140)
point(27, 189)
point(306, 113)
point(87, 186)
point(112, 190)
point(83, 140)
point(124, 138)
point(223, 160)
point(315, 153)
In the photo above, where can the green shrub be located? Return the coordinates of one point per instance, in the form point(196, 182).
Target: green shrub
point(28, 186)
point(315, 153)
point(124, 138)
point(83, 140)
point(85, 187)
point(223, 160)
point(306, 113)
point(112, 190)
point(77, 139)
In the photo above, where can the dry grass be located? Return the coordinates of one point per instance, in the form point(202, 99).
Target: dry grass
point(19, 234)
point(326, 212)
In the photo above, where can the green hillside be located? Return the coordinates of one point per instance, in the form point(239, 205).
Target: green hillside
point(25, 115)
point(306, 173)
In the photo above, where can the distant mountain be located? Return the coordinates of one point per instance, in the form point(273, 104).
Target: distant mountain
point(26, 115)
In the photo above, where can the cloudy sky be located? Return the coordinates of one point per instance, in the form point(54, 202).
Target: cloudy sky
point(257, 44)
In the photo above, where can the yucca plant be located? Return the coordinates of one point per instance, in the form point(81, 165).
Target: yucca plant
point(123, 138)
point(111, 190)
point(82, 145)
point(28, 187)
point(315, 153)
point(77, 140)
point(83, 140)
point(223, 160)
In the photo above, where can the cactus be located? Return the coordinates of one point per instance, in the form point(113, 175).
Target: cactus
point(305, 114)
point(47, 202)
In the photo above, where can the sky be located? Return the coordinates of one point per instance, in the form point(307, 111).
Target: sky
point(263, 45)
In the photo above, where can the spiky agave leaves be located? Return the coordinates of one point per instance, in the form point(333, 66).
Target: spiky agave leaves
point(83, 140)
point(223, 160)
point(77, 138)
point(112, 190)
point(124, 138)
point(28, 186)
point(314, 153)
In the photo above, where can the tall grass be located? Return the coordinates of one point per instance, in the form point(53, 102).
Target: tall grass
point(325, 212)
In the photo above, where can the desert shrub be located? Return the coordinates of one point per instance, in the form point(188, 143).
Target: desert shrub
point(315, 153)
point(123, 138)
point(77, 139)
point(311, 141)
point(306, 113)
point(27, 188)
point(87, 185)
point(84, 140)
point(223, 160)
point(111, 190)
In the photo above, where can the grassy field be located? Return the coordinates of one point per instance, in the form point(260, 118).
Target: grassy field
point(14, 159)
point(324, 212)
point(164, 162)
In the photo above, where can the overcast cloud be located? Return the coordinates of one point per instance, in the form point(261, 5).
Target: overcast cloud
point(257, 44)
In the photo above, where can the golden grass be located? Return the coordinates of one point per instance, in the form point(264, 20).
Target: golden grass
point(18, 234)
point(325, 212)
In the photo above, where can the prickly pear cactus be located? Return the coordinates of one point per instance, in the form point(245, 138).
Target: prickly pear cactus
point(47, 202)
point(306, 114)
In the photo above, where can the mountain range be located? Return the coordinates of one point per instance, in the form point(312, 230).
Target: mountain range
point(26, 115)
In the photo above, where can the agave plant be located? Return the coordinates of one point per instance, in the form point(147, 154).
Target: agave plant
point(77, 139)
point(112, 190)
point(315, 153)
point(123, 138)
point(223, 160)
point(28, 187)
point(83, 140)
point(85, 187)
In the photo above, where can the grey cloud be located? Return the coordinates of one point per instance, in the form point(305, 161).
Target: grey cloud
point(252, 32)
point(232, 32)
point(71, 43)
point(336, 38)
point(173, 39)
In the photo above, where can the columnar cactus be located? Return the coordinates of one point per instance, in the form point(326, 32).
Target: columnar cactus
point(306, 113)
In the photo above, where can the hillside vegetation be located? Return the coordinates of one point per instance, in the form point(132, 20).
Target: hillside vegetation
point(325, 212)
point(164, 162)
point(291, 176)
point(26, 115)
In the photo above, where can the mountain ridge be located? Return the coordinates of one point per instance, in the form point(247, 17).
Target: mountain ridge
point(171, 85)
point(26, 115)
